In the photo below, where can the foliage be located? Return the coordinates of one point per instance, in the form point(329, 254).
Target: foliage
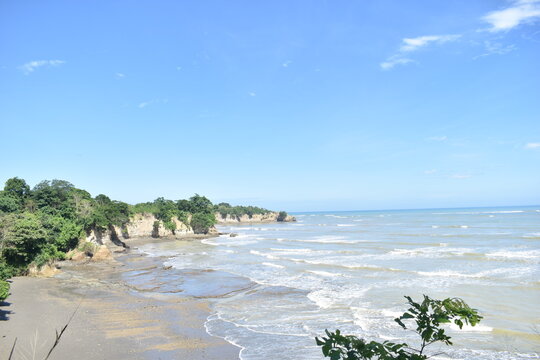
point(195, 204)
point(282, 216)
point(107, 212)
point(202, 222)
point(8, 202)
point(4, 290)
point(23, 239)
point(428, 315)
point(225, 209)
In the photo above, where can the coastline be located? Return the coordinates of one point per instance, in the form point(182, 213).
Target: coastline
point(114, 317)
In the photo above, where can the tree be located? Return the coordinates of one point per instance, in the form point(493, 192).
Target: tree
point(23, 239)
point(17, 187)
point(282, 216)
point(200, 204)
point(428, 316)
point(9, 203)
point(202, 222)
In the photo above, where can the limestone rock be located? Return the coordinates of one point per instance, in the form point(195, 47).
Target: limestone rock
point(102, 254)
point(46, 270)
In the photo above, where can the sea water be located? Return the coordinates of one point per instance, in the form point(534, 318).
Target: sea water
point(350, 271)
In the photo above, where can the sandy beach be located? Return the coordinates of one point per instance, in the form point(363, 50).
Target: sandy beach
point(112, 319)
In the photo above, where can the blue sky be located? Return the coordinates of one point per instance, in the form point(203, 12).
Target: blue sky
point(296, 105)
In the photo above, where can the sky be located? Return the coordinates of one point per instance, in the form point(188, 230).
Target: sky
point(294, 105)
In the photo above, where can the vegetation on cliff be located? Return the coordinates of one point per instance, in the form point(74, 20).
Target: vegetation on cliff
point(41, 224)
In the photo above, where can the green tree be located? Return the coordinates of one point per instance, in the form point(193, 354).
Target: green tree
point(428, 316)
point(202, 222)
point(9, 203)
point(23, 239)
point(17, 187)
point(200, 204)
point(282, 216)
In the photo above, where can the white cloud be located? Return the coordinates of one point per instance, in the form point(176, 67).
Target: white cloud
point(438, 138)
point(393, 61)
point(460, 176)
point(495, 48)
point(252, 94)
point(120, 75)
point(31, 66)
point(286, 63)
point(521, 12)
point(413, 44)
point(144, 104)
point(533, 145)
point(430, 172)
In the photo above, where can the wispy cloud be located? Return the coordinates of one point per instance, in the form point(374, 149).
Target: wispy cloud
point(409, 45)
point(413, 44)
point(252, 94)
point(460, 176)
point(533, 145)
point(144, 104)
point(395, 60)
point(495, 48)
point(120, 75)
point(31, 66)
point(521, 12)
point(437, 138)
point(286, 63)
point(430, 171)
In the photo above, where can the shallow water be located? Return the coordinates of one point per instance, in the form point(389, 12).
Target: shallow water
point(350, 270)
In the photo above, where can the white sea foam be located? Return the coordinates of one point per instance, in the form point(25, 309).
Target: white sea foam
point(429, 252)
point(323, 273)
point(268, 256)
point(508, 254)
point(273, 265)
point(292, 250)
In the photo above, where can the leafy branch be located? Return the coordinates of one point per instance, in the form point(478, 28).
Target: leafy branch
point(428, 315)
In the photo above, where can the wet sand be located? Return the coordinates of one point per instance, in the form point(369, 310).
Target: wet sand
point(112, 318)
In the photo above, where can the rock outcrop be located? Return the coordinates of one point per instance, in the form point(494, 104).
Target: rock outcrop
point(140, 225)
point(255, 218)
point(146, 225)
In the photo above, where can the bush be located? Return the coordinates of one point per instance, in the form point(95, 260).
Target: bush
point(23, 239)
point(4, 290)
point(428, 316)
point(202, 222)
point(282, 216)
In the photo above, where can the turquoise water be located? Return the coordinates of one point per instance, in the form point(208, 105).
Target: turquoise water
point(350, 270)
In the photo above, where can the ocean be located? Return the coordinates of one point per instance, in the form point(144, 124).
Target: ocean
point(274, 287)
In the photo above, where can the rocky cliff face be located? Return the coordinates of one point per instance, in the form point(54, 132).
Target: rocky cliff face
point(146, 225)
point(140, 225)
point(256, 218)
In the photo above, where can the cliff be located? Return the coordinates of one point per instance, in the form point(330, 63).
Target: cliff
point(255, 218)
point(140, 225)
point(147, 225)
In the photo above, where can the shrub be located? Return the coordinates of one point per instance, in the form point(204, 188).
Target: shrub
point(428, 316)
point(202, 222)
point(4, 290)
point(23, 239)
point(282, 216)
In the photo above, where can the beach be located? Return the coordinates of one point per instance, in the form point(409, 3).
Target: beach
point(111, 318)
point(276, 286)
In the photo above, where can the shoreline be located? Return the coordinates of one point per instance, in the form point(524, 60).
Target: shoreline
point(114, 317)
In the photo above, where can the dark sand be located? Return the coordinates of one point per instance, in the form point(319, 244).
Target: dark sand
point(113, 320)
